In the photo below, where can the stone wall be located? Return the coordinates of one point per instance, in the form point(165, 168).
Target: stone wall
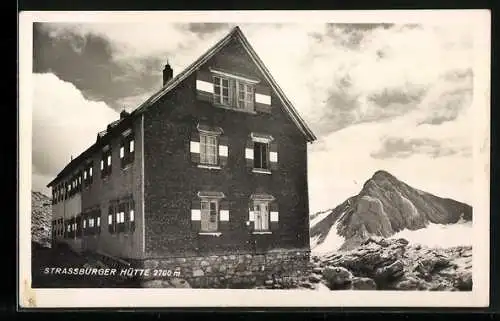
point(232, 271)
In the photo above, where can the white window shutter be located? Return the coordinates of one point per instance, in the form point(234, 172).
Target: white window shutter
point(224, 215)
point(251, 215)
point(122, 152)
point(195, 214)
point(132, 146)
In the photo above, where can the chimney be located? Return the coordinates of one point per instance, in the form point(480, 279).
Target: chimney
point(123, 114)
point(167, 73)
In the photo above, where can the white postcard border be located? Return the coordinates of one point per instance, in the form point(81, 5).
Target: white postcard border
point(479, 297)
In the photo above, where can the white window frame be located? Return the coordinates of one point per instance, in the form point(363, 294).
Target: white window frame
point(131, 215)
point(261, 224)
point(268, 162)
point(206, 212)
point(211, 158)
point(219, 87)
point(247, 101)
point(236, 98)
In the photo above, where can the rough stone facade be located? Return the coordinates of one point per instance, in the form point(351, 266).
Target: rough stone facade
point(172, 180)
point(232, 271)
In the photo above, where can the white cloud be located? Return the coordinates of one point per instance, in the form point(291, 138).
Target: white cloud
point(64, 125)
point(310, 63)
point(340, 163)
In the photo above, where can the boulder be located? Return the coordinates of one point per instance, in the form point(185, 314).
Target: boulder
point(463, 281)
point(314, 278)
point(360, 283)
point(179, 283)
point(337, 278)
point(390, 272)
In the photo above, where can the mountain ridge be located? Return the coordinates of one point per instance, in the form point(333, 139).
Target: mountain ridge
point(385, 206)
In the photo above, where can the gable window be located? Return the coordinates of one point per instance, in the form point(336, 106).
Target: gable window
point(208, 149)
point(127, 149)
point(106, 162)
point(221, 91)
point(261, 155)
point(234, 92)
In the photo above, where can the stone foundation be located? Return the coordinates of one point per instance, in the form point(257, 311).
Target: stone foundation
point(232, 271)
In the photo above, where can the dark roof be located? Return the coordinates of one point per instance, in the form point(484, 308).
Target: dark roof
point(172, 83)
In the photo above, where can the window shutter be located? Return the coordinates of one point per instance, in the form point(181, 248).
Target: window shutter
point(196, 215)
point(85, 224)
point(224, 215)
point(98, 218)
point(194, 147)
point(262, 99)
point(131, 215)
point(121, 210)
point(204, 86)
point(251, 216)
point(274, 215)
point(273, 155)
point(111, 213)
point(249, 153)
point(223, 150)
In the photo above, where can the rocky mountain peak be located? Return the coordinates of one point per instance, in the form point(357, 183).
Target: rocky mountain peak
point(386, 206)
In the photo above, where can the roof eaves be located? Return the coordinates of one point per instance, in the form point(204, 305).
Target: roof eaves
point(286, 102)
point(186, 72)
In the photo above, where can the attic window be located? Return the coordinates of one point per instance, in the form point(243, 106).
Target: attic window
point(233, 91)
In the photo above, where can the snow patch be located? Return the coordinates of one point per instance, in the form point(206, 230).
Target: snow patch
point(440, 235)
point(318, 218)
point(331, 243)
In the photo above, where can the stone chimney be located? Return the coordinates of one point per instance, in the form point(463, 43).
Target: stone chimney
point(123, 114)
point(167, 73)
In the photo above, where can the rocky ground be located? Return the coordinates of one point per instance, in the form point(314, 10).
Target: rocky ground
point(382, 264)
point(41, 208)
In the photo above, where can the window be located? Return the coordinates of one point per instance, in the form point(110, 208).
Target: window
point(261, 215)
point(221, 91)
point(233, 93)
point(121, 216)
point(127, 149)
point(112, 219)
point(209, 214)
point(208, 149)
point(106, 163)
point(87, 174)
point(245, 96)
point(260, 155)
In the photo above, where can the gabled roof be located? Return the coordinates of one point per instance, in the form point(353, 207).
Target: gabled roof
point(234, 34)
point(175, 81)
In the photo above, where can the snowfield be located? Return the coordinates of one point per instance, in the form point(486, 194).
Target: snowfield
point(440, 235)
point(434, 236)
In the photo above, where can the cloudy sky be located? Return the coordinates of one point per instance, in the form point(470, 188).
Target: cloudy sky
point(378, 96)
